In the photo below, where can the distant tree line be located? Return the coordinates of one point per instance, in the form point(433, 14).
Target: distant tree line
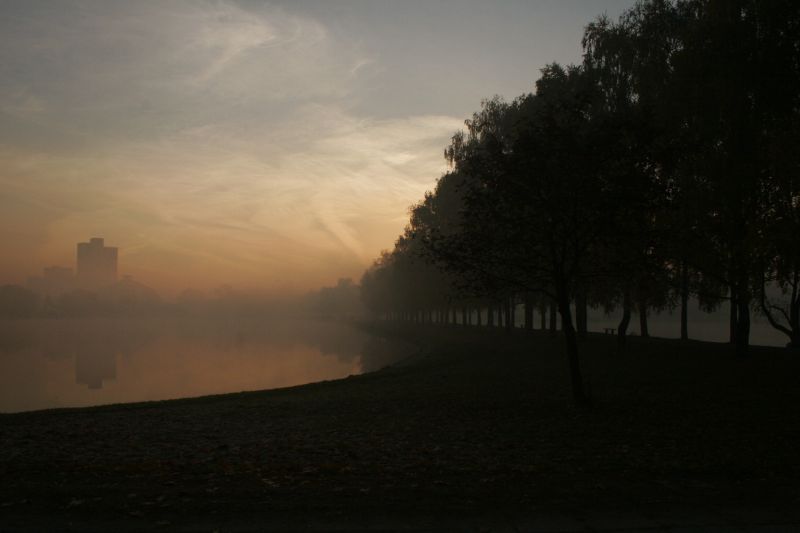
point(124, 298)
point(128, 298)
point(341, 301)
point(665, 166)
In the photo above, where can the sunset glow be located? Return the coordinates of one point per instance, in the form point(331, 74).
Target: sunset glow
point(271, 146)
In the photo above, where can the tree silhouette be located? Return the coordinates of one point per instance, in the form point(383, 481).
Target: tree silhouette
point(662, 167)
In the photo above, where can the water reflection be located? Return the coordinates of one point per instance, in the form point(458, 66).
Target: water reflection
point(378, 353)
point(58, 363)
point(93, 365)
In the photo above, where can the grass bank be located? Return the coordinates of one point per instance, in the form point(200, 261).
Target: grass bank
point(477, 427)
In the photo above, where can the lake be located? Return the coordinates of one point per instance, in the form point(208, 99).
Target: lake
point(82, 362)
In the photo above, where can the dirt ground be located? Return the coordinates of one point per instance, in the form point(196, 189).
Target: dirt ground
point(474, 432)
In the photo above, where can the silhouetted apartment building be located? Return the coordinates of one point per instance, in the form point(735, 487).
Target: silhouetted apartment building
point(55, 280)
point(97, 264)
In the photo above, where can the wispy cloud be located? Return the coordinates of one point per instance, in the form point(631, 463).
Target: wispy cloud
point(207, 140)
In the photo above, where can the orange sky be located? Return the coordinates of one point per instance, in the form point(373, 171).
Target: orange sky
point(262, 145)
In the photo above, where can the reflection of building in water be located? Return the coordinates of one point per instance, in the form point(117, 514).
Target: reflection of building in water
point(55, 281)
point(97, 263)
point(95, 363)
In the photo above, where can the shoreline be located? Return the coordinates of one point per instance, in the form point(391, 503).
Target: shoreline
point(478, 428)
point(51, 367)
point(384, 331)
point(369, 328)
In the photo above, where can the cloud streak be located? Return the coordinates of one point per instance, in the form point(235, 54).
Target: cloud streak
point(256, 144)
point(211, 142)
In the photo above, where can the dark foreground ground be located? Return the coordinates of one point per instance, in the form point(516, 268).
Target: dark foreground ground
point(475, 432)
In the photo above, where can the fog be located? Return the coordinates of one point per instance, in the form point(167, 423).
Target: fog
point(69, 340)
point(90, 361)
point(83, 347)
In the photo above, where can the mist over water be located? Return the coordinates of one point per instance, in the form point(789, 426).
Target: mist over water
point(74, 362)
point(711, 327)
point(92, 361)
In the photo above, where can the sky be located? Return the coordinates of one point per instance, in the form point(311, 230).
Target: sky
point(269, 145)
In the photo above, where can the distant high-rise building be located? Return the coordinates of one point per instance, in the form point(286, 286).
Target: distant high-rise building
point(97, 264)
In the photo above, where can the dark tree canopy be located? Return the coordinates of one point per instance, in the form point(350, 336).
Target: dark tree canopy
point(664, 166)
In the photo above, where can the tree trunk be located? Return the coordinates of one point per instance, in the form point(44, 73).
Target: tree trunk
point(794, 319)
point(509, 323)
point(553, 312)
point(732, 319)
point(743, 325)
point(792, 328)
point(543, 316)
point(684, 302)
point(571, 343)
point(528, 313)
point(622, 329)
point(490, 316)
point(643, 331)
point(581, 314)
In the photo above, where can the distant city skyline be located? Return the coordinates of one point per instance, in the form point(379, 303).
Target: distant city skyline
point(95, 267)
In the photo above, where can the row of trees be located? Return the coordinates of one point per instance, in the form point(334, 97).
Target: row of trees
point(124, 298)
point(341, 301)
point(130, 298)
point(664, 166)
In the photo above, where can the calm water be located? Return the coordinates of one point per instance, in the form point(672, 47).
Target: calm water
point(79, 362)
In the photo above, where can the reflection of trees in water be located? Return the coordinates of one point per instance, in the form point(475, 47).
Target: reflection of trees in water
point(348, 344)
point(342, 342)
point(95, 362)
point(377, 353)
point(14, 339)
point(61, 338)
point(329, 337)
point(96, 343)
